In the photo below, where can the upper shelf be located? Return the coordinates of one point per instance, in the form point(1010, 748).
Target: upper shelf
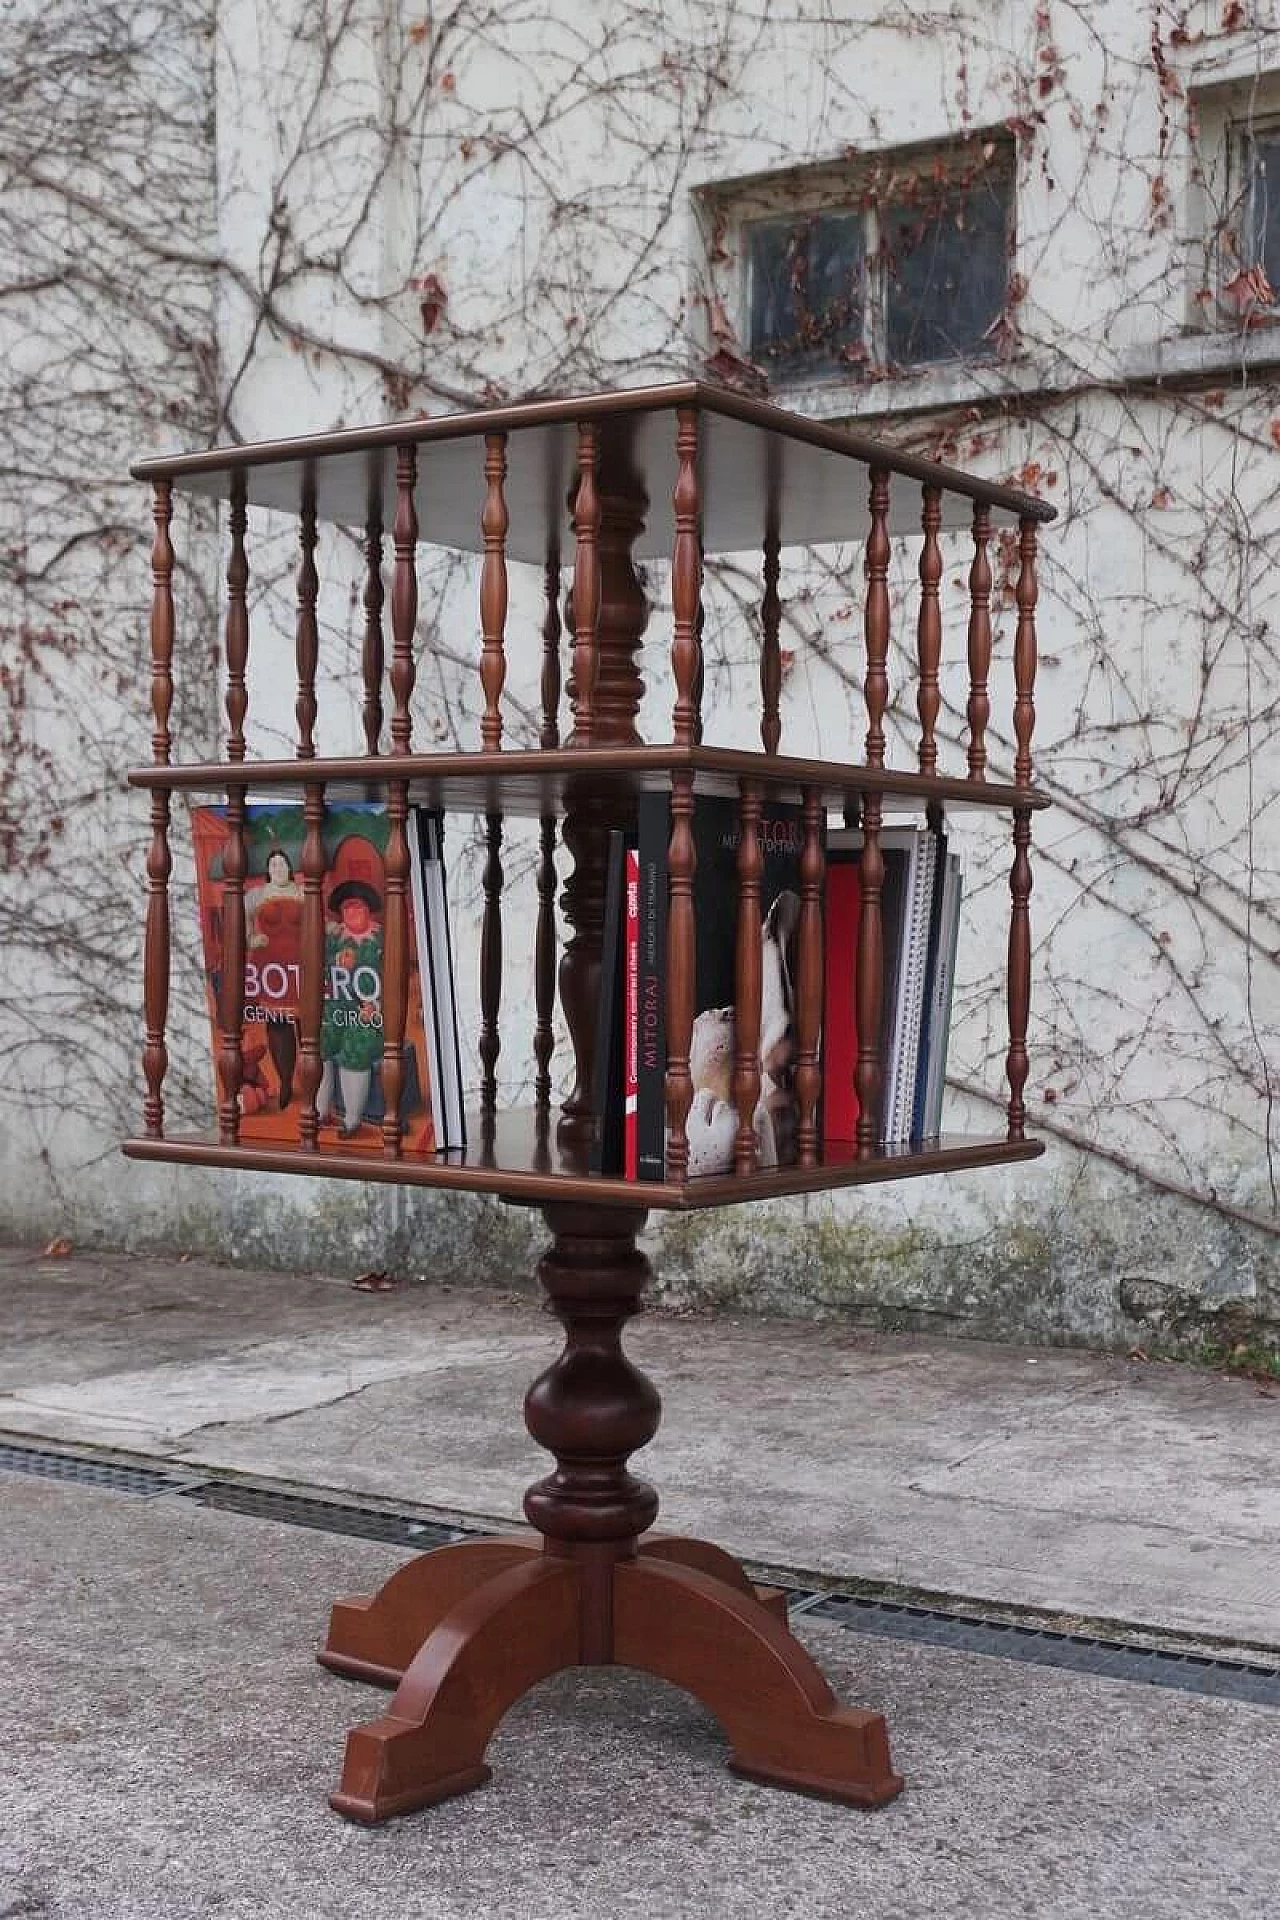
point(758, 463)
point(533, 783)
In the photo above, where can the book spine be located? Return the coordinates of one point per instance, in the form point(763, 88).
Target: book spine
point(944, 994)
point(442, 983)
point(631, 1022)
point(651, 1095)
point(839, 1020)
point(427, 972)
point(911, 998)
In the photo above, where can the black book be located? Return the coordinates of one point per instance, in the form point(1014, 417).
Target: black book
point(607, 1088)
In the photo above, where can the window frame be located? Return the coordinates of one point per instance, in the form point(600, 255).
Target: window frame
point(867, 186)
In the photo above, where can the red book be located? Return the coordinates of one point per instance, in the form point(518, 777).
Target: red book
point(631, 1021)
point(840, 1025)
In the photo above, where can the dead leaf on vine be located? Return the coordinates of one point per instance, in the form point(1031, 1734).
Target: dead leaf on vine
point(1275, 430)
point(58, 1249)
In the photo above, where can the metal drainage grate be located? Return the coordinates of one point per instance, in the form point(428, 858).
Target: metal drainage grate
point(1257, 1684)
point(91, 1473)
point(1254, 1683)
point(327, 1516)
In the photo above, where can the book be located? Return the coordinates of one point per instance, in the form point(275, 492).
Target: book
point(842, 912)
point(922, 872)
point(349, 1098)
point(607, 1097)
point(713, 1118)
point(937, 1028)
point(435, 948)
point(631, 1004)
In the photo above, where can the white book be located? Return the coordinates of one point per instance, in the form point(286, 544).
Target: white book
point(943, 992)
point(435, 965)
point(900, 1103)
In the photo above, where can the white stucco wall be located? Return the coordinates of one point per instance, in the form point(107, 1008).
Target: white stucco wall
point(551, 170)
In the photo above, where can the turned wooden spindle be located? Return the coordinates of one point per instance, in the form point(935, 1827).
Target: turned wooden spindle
point(929, 630)
point(235, 865)
point(876, 683)
point(494, 522)
point(868, 1075)
point(371, 657)
point(770, 650)
point(237, 702)
point(681, 966)
point(979, 710)
point(155, 1055)
point(686, 584)
point(747, 977)
point(311, 996)
point(1024, 674)
point(308, 633)
point(699, 628)
point(491, 964)
point(544, 958)
point(809, 969)
point(404, 598)
point(586, 581)
point(395, 965)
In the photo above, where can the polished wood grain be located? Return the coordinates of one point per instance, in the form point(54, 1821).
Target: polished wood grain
point(311, 998)
point(770, 650)
point(491, 964)
point(374, 1637)
point(686, 583)
point(237, 630)
point(395, 964)
point(868, 1073)
point(404, 599)
point(156, 936)
point(372, 661)
point(1026, 594)
point(586, 583)
point(979, 707)
point(231, 994)
point(1017, 1064)
point(929, 631)
point(809, 981)
point(493, 590)
point(307, 641)
point(747, 977)
point(876, 620)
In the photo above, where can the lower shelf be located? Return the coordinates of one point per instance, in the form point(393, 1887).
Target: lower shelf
point(517, 1157)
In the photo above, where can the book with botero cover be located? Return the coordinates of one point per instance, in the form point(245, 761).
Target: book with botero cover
point(349, 1100)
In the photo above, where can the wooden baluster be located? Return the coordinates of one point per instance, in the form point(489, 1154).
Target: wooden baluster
point(770, 651)
point(404, 598)
point(308, 636)
point(231, 1000)
point(1024, 674)
point(155, 1054)
point(544, 962)
point(395, 964)
point(868, 1076)
point(237, 620)
point(311, 997)
point(979, 641)
point(876, 684)
point(869, 1071)
point(491, 964)
point(809, 981)
point(586, 581)
point(681, 973)
point(371, 660)
point(686, 584)
point(747, 977)
point(494, 522)
point(699, 629)
point(929, 630)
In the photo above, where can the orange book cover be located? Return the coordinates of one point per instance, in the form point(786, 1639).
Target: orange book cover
point(349, 1100)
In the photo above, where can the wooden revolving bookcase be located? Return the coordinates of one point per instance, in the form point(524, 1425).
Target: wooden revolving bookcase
point(604, 480)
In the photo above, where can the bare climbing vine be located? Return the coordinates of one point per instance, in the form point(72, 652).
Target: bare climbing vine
point(222, 225)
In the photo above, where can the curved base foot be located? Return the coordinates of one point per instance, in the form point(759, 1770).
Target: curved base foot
point(467, 1629)
point(783, 1723)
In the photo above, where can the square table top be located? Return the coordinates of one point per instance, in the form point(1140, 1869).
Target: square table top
point(756, 462)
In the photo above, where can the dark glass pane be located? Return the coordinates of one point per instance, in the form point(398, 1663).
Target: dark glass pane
point(807, 293)
point(1264, 247)
point(946, 259)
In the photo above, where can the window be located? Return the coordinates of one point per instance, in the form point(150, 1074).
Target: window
point(913, 271)
point(1259, 175)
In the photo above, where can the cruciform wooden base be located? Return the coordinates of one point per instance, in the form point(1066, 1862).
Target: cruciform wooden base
point(463, 1632)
